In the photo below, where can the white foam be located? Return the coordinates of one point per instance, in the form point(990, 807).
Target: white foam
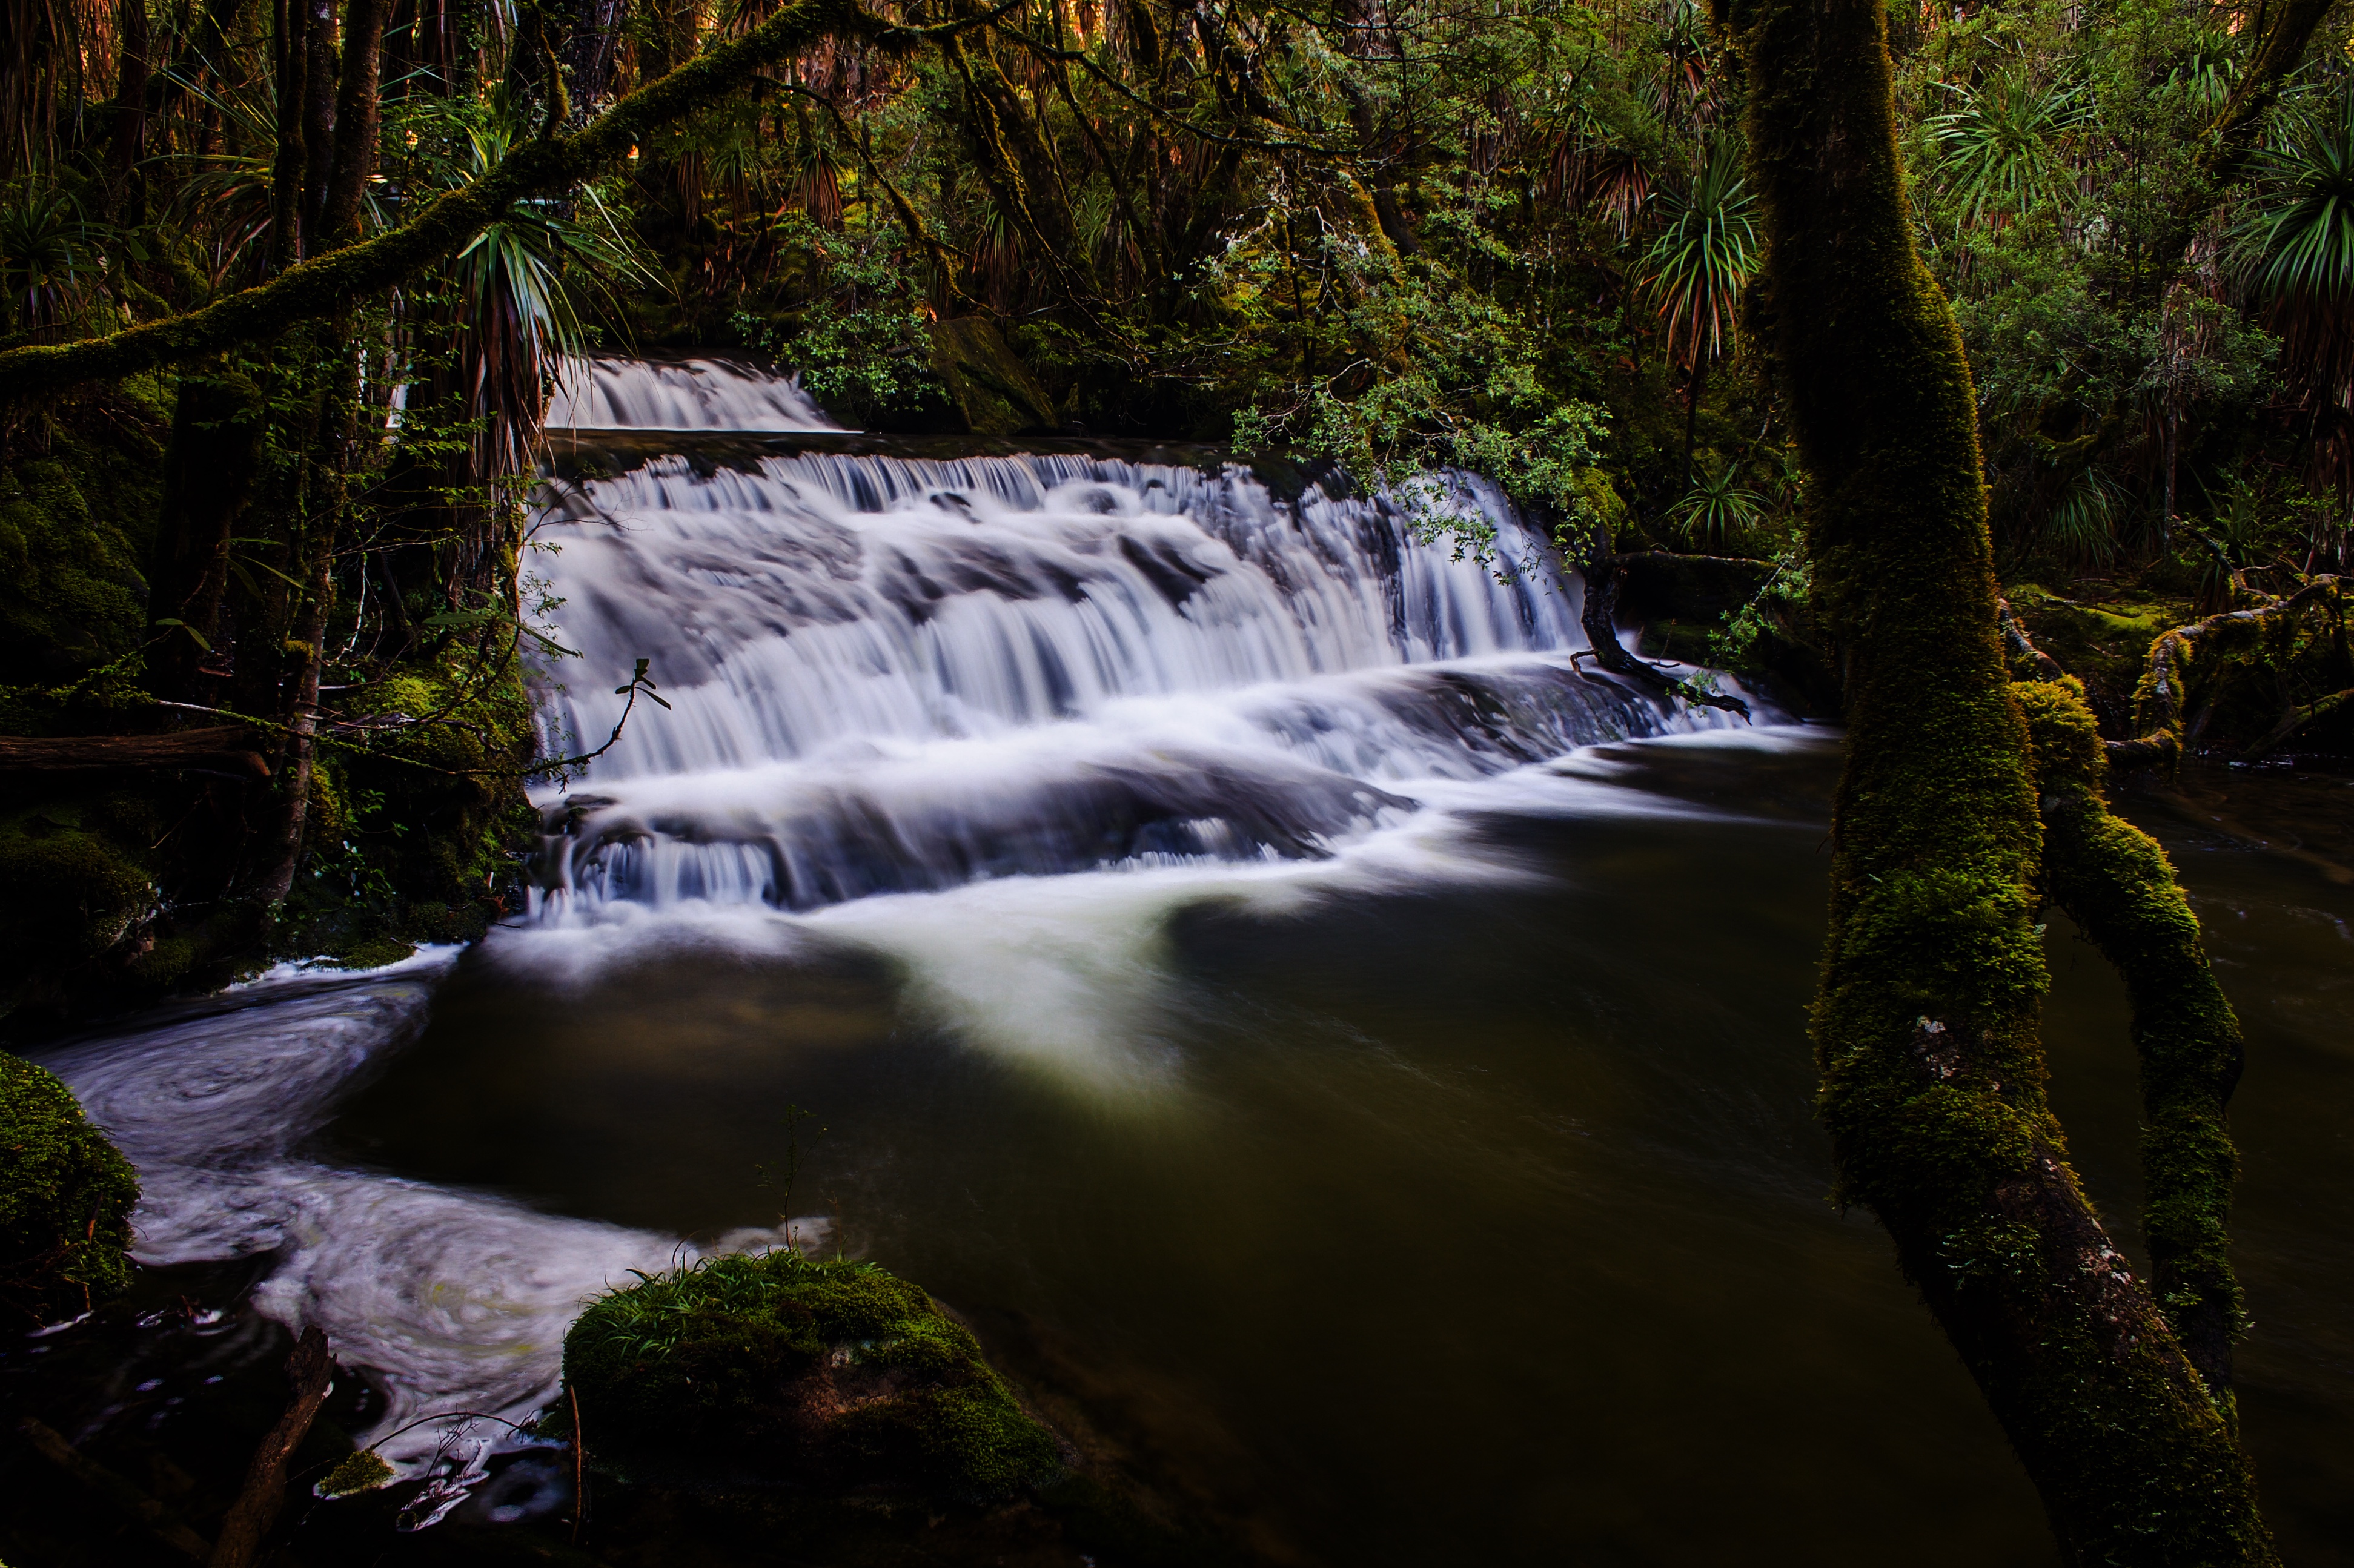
point(455, 1304)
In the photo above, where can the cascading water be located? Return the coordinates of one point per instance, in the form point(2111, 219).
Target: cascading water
point(892, 675)
point(679, 394)
point(994, 717)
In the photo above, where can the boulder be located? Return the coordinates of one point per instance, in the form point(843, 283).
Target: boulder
point(832, 1375)
point(64, 1201)
point(992, 390)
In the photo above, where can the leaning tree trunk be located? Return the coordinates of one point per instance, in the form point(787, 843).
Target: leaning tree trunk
point(1925, 1025)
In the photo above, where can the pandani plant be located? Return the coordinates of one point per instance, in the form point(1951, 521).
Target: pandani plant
point(1694, 271)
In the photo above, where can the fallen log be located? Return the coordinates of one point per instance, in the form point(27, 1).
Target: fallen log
point(310, 1372)
point(225, 749)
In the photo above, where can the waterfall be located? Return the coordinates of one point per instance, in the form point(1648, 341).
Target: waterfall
point(890, 675)
point(992, 718)
point(609, 394)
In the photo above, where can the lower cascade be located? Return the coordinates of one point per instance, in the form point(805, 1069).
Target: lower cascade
point(889, 675)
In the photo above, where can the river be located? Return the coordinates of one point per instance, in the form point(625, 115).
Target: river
point(1228, 951)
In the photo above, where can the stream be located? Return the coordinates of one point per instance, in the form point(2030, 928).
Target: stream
point(1228, 951)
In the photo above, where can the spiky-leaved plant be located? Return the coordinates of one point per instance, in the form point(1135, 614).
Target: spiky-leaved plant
point(2004, 145)
point(2296, 243)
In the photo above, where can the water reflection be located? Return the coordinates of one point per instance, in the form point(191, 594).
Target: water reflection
point(1480, 1222)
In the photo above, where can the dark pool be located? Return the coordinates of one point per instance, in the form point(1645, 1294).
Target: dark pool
point(1479, 1224)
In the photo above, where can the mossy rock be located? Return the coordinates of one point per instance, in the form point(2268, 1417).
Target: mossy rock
point(993, 391)
point(837, 1376)
point(64, 1201)
point(76, 889)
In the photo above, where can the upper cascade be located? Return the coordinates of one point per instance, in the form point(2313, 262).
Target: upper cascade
point(601, 392)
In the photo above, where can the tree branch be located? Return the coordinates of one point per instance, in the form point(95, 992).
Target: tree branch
point(2158, 697)
point(2231, 139)
point(325, 284)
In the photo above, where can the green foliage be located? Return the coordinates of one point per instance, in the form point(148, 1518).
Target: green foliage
point(1718, 510)
point(839, 1372)
point(50, 251)
point(2063, 205)
point(2298, 231)
point(1696, 268)
point(516, 289)
point(64, 1201)
point(861, 344)
point(1738, 644)
point(2001, 151)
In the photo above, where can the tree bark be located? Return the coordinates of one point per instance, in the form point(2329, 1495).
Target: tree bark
point(1925, 1024)
point(355, 119)
point(2287, 30)
point(592, 50)
point(288, 62)
point(130, 129)
point(222, 749)
point(318, 119)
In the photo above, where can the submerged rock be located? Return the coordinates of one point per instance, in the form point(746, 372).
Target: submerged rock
point(830, 1375)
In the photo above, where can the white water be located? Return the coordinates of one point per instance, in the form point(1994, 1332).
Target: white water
point(609, 394)
point(995, 718)
point(894, 676)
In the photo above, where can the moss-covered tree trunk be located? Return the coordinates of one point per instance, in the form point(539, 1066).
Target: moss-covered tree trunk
point(1925, 1026)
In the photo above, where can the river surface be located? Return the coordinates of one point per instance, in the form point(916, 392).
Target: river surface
point(1349, 1058)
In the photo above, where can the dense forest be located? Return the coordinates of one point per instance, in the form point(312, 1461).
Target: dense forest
point(289, 285)
point(1519, 240)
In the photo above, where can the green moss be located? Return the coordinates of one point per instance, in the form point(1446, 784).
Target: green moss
point(2107, 645)
point(993, 391)
point(364, 1470)
point(64, 1201)
point(2063, 737)
point(75, 527)
point(1925, 1024)
point(74, 890)
point(835, 1373)
point(2115, 882)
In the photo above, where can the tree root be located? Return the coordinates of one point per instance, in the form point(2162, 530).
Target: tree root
point(2162, 696)
point(1603, 571)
